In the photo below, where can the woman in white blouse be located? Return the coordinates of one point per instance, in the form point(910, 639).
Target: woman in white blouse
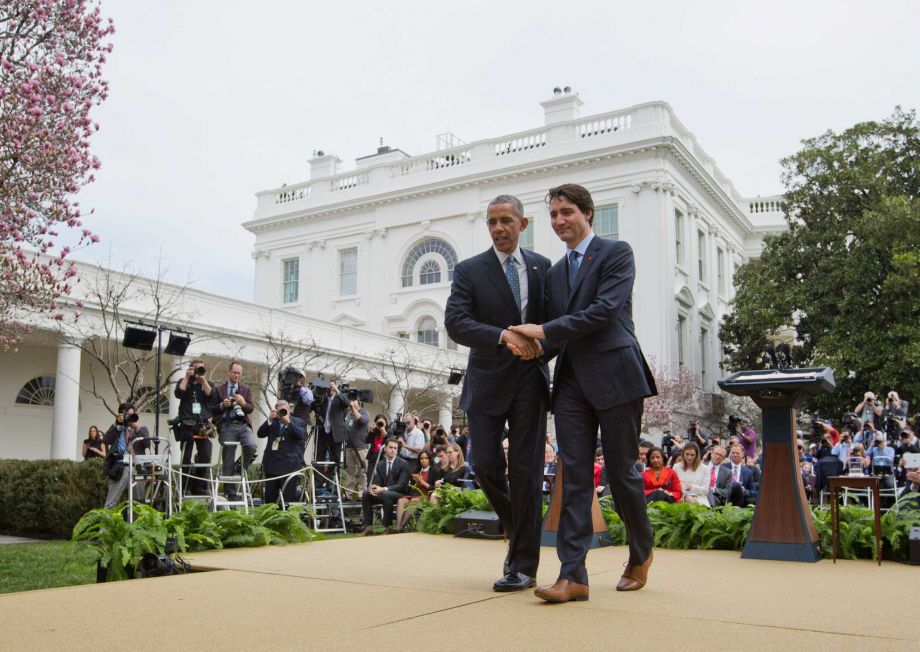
point(693, 474)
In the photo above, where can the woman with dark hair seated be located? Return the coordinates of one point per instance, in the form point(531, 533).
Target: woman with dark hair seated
point(419, 489)
point(661, 483)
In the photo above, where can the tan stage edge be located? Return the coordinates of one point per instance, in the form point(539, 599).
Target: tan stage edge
point(415, 591)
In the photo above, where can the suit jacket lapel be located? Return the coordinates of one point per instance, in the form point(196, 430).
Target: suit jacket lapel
point(586, 262)
point(497, 276)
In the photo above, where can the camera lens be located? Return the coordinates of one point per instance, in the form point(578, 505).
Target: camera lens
point(200, 371)
point(282, 412)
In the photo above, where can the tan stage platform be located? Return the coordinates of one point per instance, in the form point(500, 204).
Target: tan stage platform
point(414, 591)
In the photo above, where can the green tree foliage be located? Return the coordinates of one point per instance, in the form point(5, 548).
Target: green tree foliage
point(845, 274)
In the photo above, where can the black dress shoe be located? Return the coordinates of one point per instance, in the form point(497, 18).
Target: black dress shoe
point(514, 581)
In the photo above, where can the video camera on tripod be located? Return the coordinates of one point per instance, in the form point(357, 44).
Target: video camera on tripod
point(354, 394)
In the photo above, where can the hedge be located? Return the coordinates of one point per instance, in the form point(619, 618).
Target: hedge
point(46, 498)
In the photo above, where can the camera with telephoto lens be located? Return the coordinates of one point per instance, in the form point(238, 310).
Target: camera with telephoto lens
point(200, 371)
point(132, 418)
point(167, 563)
point(235, 407)
point(354, 394)
point(282, 413)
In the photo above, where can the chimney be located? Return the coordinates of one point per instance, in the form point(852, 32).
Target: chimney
point(562, 107)
point(323, 165)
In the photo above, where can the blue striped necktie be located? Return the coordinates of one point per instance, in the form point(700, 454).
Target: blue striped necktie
point(512, 274)
point(574, 264)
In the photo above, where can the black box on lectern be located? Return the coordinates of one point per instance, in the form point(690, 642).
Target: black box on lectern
point(783, 527)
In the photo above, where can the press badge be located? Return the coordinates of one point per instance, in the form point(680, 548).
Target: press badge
point(276, 444)
point(196, 408)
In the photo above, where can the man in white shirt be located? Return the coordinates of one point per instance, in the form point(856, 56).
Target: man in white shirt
point(412, 442)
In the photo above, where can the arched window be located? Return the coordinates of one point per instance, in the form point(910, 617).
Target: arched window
point(430, 273)
point(427, 331)
point(38, 391)
point(144, 397)
point(437, 248)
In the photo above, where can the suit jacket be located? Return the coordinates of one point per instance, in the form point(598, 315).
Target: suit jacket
point(397, 480)
point(337, 425)
point(479, 308)
point(291, 447)
point(243, 391)
point(592, 325)
point(723, 486)
point(747, 478)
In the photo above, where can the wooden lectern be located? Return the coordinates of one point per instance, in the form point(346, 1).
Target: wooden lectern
point(551, 521)
point(783, 528)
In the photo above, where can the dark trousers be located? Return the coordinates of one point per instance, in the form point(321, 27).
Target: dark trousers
point(388, 499)
point(737, 497)
point(517, 500)
point(326, 446)
point(577, 422)
point(292, 491)
point(202, 449)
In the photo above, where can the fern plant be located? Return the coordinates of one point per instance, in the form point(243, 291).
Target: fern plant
point(194, 528)
point(117, 544)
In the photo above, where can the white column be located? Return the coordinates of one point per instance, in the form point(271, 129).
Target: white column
point(397, 402)
point(178, 368)
point(64, 435)
point(446, 412)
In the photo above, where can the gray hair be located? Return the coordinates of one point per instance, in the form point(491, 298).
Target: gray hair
point(282, 402)
point(516, 206)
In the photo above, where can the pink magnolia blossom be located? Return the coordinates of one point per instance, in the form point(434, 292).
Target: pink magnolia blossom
point(51, 56)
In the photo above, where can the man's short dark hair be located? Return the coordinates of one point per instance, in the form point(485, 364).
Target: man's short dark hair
point(516, 207)
point(390, 439)
point(576, 194)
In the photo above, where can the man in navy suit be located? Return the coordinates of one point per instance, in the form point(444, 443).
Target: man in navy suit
point(601, 379)
point(504, 381)
point(743, 491)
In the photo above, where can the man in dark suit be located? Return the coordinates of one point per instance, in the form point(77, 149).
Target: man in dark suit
point(232, 408)
point(332, 428)
point(389, 483)
point(720, 477)
point(505, 381)
point(287, 439)
point(601, 379)
point(743, 488)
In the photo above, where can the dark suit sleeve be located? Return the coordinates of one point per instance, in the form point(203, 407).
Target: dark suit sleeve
point(264, 430)
point(216, 409)
point(298, 431)
point(401, 485)
point(458, 315)
point(248, 407)
point(614, 289)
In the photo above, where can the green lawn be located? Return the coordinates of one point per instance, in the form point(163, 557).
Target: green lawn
point(45, 565)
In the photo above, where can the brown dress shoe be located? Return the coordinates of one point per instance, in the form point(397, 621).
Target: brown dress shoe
point(563, 591)
point(634, 577)
point(366, 532)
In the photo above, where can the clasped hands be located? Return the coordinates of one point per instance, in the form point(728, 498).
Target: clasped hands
point(524, 340)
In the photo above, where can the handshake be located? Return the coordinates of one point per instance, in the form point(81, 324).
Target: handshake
point(524, 340)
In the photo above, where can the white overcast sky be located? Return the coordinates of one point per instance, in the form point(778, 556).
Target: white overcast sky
point(213, 101)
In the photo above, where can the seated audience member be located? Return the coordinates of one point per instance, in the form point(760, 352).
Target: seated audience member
point(549, 468)
point(457, 472)
point(601, 486)
point(743, 491)
point(907, 443)
point(661, 483)
point(881, 461)
point(419, 489)
point(694, 475)
point(93, 445)
point(911, 490)
point(389, 483)
point(720, 477)
point(842, 448)
point(808, 478)
point(644, 447)
point(753, 463)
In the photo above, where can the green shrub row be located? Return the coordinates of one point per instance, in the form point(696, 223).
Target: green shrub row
point(685, 526)
point(119, 545)
point(47, 497)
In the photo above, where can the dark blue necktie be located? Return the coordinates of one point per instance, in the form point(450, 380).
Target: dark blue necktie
point(574, 264)
point(513, 280)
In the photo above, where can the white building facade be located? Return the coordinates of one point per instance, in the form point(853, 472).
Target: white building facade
point(375, 247)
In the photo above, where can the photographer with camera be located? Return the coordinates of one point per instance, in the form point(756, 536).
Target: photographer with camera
point(869, 410)
point(881, 458)
point(120, 438)
point(284, 451)
point(412, 441)
point(356, 444)
point(296, 391)
point(895, 409)
point(332, 431)
point(195, 394)
point(842, 448)
point(232, 408)
point(695, 435)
